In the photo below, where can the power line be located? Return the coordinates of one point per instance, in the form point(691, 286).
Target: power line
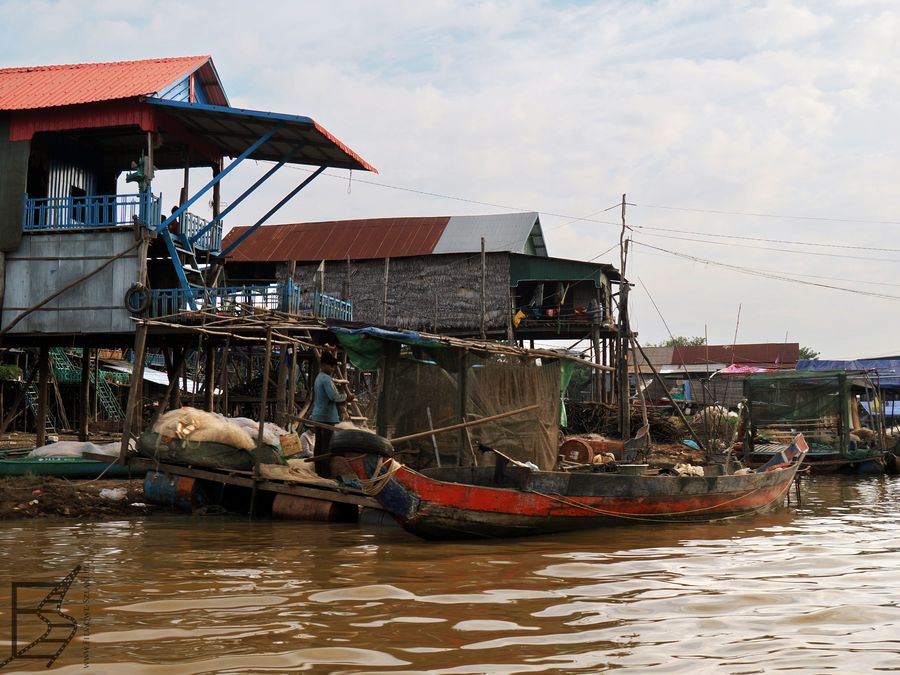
point(770, 215)
point(766, 275)
point(590, 219)
point(767, 240)
point(779, 250)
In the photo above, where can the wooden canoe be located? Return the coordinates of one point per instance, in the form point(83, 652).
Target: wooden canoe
point(511, 500)
point(67, 467)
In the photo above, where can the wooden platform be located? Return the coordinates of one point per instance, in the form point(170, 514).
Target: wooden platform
point(342, 494)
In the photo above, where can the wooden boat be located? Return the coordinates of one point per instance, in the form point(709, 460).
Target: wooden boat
point(67, 467)
point(510, 499)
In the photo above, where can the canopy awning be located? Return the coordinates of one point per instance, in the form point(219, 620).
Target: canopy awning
point(233, 130)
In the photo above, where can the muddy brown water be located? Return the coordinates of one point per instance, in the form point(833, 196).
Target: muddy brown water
point(814, 589)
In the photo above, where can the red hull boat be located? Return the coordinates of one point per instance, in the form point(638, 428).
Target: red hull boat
point(511, 500)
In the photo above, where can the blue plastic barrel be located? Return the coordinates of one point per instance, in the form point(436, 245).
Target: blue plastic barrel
point(180, 492)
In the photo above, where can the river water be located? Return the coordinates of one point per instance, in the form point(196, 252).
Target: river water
point(808, 589)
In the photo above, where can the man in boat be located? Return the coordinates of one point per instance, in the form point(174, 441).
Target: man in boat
point(325, 410)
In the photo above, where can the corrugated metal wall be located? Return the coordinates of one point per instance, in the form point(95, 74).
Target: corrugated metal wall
point(62, 177)
point(46, 262)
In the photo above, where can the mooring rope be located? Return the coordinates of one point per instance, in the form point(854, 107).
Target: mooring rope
point(374, 485)
point(650, 519)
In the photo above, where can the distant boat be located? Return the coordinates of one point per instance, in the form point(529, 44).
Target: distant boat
point(511, 499)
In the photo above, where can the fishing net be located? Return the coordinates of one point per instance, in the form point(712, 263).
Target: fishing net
point(783, 405)
point(427, 381)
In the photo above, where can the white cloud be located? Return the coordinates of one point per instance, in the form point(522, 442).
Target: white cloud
point(763, 107)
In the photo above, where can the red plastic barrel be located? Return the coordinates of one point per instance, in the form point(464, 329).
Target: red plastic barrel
point(292, 507)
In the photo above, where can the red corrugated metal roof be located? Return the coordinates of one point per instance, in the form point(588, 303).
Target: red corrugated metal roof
point(339, 240)
point(768, 353)
point(50, 86)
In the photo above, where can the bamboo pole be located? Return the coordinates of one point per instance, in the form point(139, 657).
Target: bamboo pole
point(463, 425)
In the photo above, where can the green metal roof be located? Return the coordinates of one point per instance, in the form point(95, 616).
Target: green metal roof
point(534, 268)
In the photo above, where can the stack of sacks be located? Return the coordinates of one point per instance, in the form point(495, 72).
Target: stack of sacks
point(198, 425)
point(272, 433)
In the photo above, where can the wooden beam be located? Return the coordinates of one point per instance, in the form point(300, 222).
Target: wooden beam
point(463, 425)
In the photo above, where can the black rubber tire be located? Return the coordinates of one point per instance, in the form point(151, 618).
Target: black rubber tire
point(360, 441)
point(137, 299)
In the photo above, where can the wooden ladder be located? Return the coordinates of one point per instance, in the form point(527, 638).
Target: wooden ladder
point(342, 381)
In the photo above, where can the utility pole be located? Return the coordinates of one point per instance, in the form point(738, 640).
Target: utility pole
point(483, 284)
point(624, 335)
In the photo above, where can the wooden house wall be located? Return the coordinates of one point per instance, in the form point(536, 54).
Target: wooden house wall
point(13, 181)
point(436, 292)
point(45, 262)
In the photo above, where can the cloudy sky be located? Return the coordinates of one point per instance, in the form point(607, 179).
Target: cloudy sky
point(756, 140)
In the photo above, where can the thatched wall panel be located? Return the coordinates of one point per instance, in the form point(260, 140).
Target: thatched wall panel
point(440, 292)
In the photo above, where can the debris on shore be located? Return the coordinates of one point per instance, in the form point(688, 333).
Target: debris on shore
point(47, 497)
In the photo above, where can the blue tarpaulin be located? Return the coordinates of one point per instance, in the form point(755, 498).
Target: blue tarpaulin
point(888, 370)
point(891, 408)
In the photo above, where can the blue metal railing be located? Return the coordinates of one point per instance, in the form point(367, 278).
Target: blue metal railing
point(245, 300)
point(329, 307)
point(211, 240)
point(62, 213)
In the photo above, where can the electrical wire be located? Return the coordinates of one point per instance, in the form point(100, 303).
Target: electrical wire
point(770, 215)
point(765, 275)
point(770, 248)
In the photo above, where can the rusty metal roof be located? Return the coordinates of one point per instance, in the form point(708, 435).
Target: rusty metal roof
point(36, 87)
point(784, 354)
point(339, 240)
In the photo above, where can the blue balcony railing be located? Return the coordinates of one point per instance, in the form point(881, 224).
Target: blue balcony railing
point(329, 307)
point(63, 213)
point(246, 300)
point(69, 213)
point(210, 240)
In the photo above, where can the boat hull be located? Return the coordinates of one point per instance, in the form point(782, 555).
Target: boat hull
point(451, 504)
point(67, 467)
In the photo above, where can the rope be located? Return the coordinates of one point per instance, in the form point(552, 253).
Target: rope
point(374, 485)
point(586, 507)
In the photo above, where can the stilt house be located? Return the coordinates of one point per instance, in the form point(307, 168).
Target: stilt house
point(80, 258)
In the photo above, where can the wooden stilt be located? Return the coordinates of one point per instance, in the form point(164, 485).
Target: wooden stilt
point(264, 400)
point(292, 384)
point(223, 379)
point(135, 391)
point(281, 388)
point(209, 377)
point(174, 373)
point(84, 404)
point(43, 379)
point(462, 403)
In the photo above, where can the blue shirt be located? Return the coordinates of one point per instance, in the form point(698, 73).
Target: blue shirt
point(325, 400)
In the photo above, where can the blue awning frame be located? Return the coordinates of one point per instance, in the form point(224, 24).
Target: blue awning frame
point(254, 134)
